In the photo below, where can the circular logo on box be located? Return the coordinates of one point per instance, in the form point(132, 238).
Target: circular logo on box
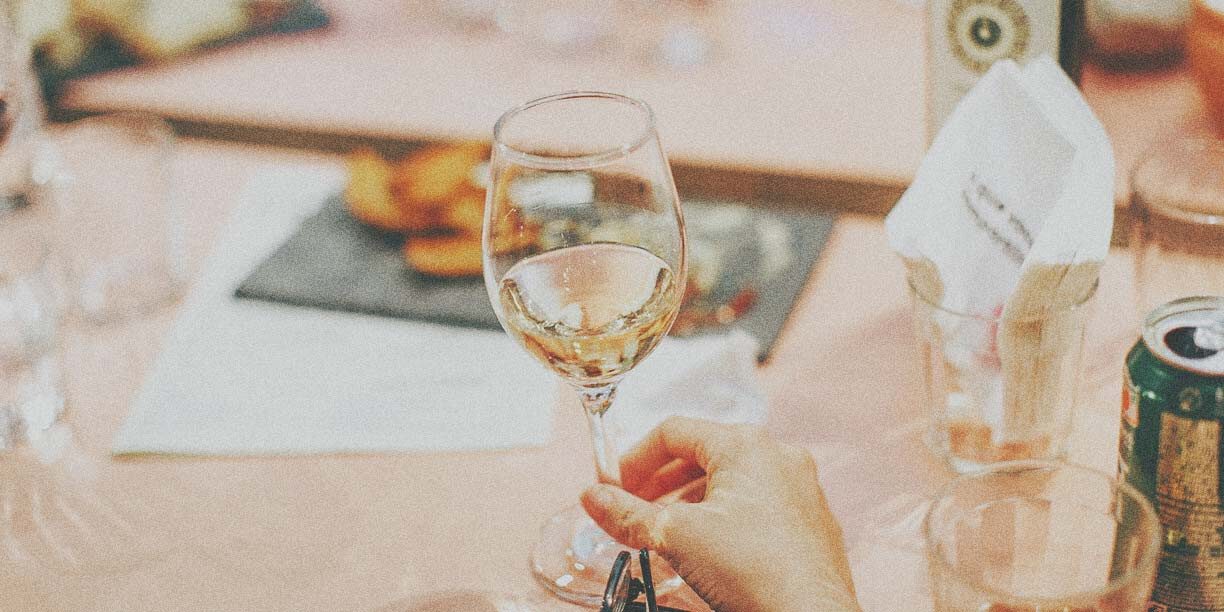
point(981, 32)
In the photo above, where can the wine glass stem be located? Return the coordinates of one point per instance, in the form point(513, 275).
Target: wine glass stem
point(596, 401)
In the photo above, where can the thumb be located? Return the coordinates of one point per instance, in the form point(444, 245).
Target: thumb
point(628, 519)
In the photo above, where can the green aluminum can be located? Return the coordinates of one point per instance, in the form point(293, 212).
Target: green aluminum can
point(1172, 448)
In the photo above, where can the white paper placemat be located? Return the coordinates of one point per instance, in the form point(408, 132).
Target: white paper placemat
point(240, 377)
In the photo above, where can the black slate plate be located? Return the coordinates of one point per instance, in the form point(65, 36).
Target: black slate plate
point(333, 262)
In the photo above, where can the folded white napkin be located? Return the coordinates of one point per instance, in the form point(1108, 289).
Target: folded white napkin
point(1012, 207)
point(709, 377)
point(246, 378)
point(1011, 212)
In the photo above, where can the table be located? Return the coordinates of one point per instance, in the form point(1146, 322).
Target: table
point(798, 95)
point(356, 532)
point(816, 102)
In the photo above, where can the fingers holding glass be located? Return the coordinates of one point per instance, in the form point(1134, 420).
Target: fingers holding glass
point(759, 501)
point(672, 480)
point(691, 440)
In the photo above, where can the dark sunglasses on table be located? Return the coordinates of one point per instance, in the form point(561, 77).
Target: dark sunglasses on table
point(623, 589)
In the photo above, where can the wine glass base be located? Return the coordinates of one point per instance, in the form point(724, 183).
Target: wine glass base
point(573, 558)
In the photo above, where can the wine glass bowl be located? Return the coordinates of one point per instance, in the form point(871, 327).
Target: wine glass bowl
point(585, 265)
point(589, 312)
point(584, 238)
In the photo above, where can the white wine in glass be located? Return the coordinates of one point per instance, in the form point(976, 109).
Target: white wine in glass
point(584, 260)
point(592, 311)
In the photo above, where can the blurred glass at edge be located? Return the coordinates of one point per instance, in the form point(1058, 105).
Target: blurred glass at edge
point(120, 229)
point(109, 172)
point(1177, 202)
point(32, 298)
point(1132, 35)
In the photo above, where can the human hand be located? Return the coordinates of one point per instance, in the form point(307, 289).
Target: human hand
point(759, 537)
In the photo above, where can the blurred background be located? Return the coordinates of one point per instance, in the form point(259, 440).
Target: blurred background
point(778, 93)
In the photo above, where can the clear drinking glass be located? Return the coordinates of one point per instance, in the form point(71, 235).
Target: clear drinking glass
point(1032, 536)
point(122, 227)
point(1177, 202)
point(585, 265)
point(54, 521)
point(999, 388)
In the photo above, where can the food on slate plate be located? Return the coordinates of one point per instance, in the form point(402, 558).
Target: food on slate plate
point(438, 176)
point(368, 195)
point(435, 197)
point(444, 255)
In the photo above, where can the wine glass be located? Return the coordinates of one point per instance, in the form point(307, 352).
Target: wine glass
point(60, 522)
point(56, 517)
point(584, 261)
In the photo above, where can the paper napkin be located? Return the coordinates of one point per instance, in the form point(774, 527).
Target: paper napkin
point(241, 377)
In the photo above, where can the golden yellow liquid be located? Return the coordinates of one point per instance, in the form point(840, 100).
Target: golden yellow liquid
point(590, 312)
